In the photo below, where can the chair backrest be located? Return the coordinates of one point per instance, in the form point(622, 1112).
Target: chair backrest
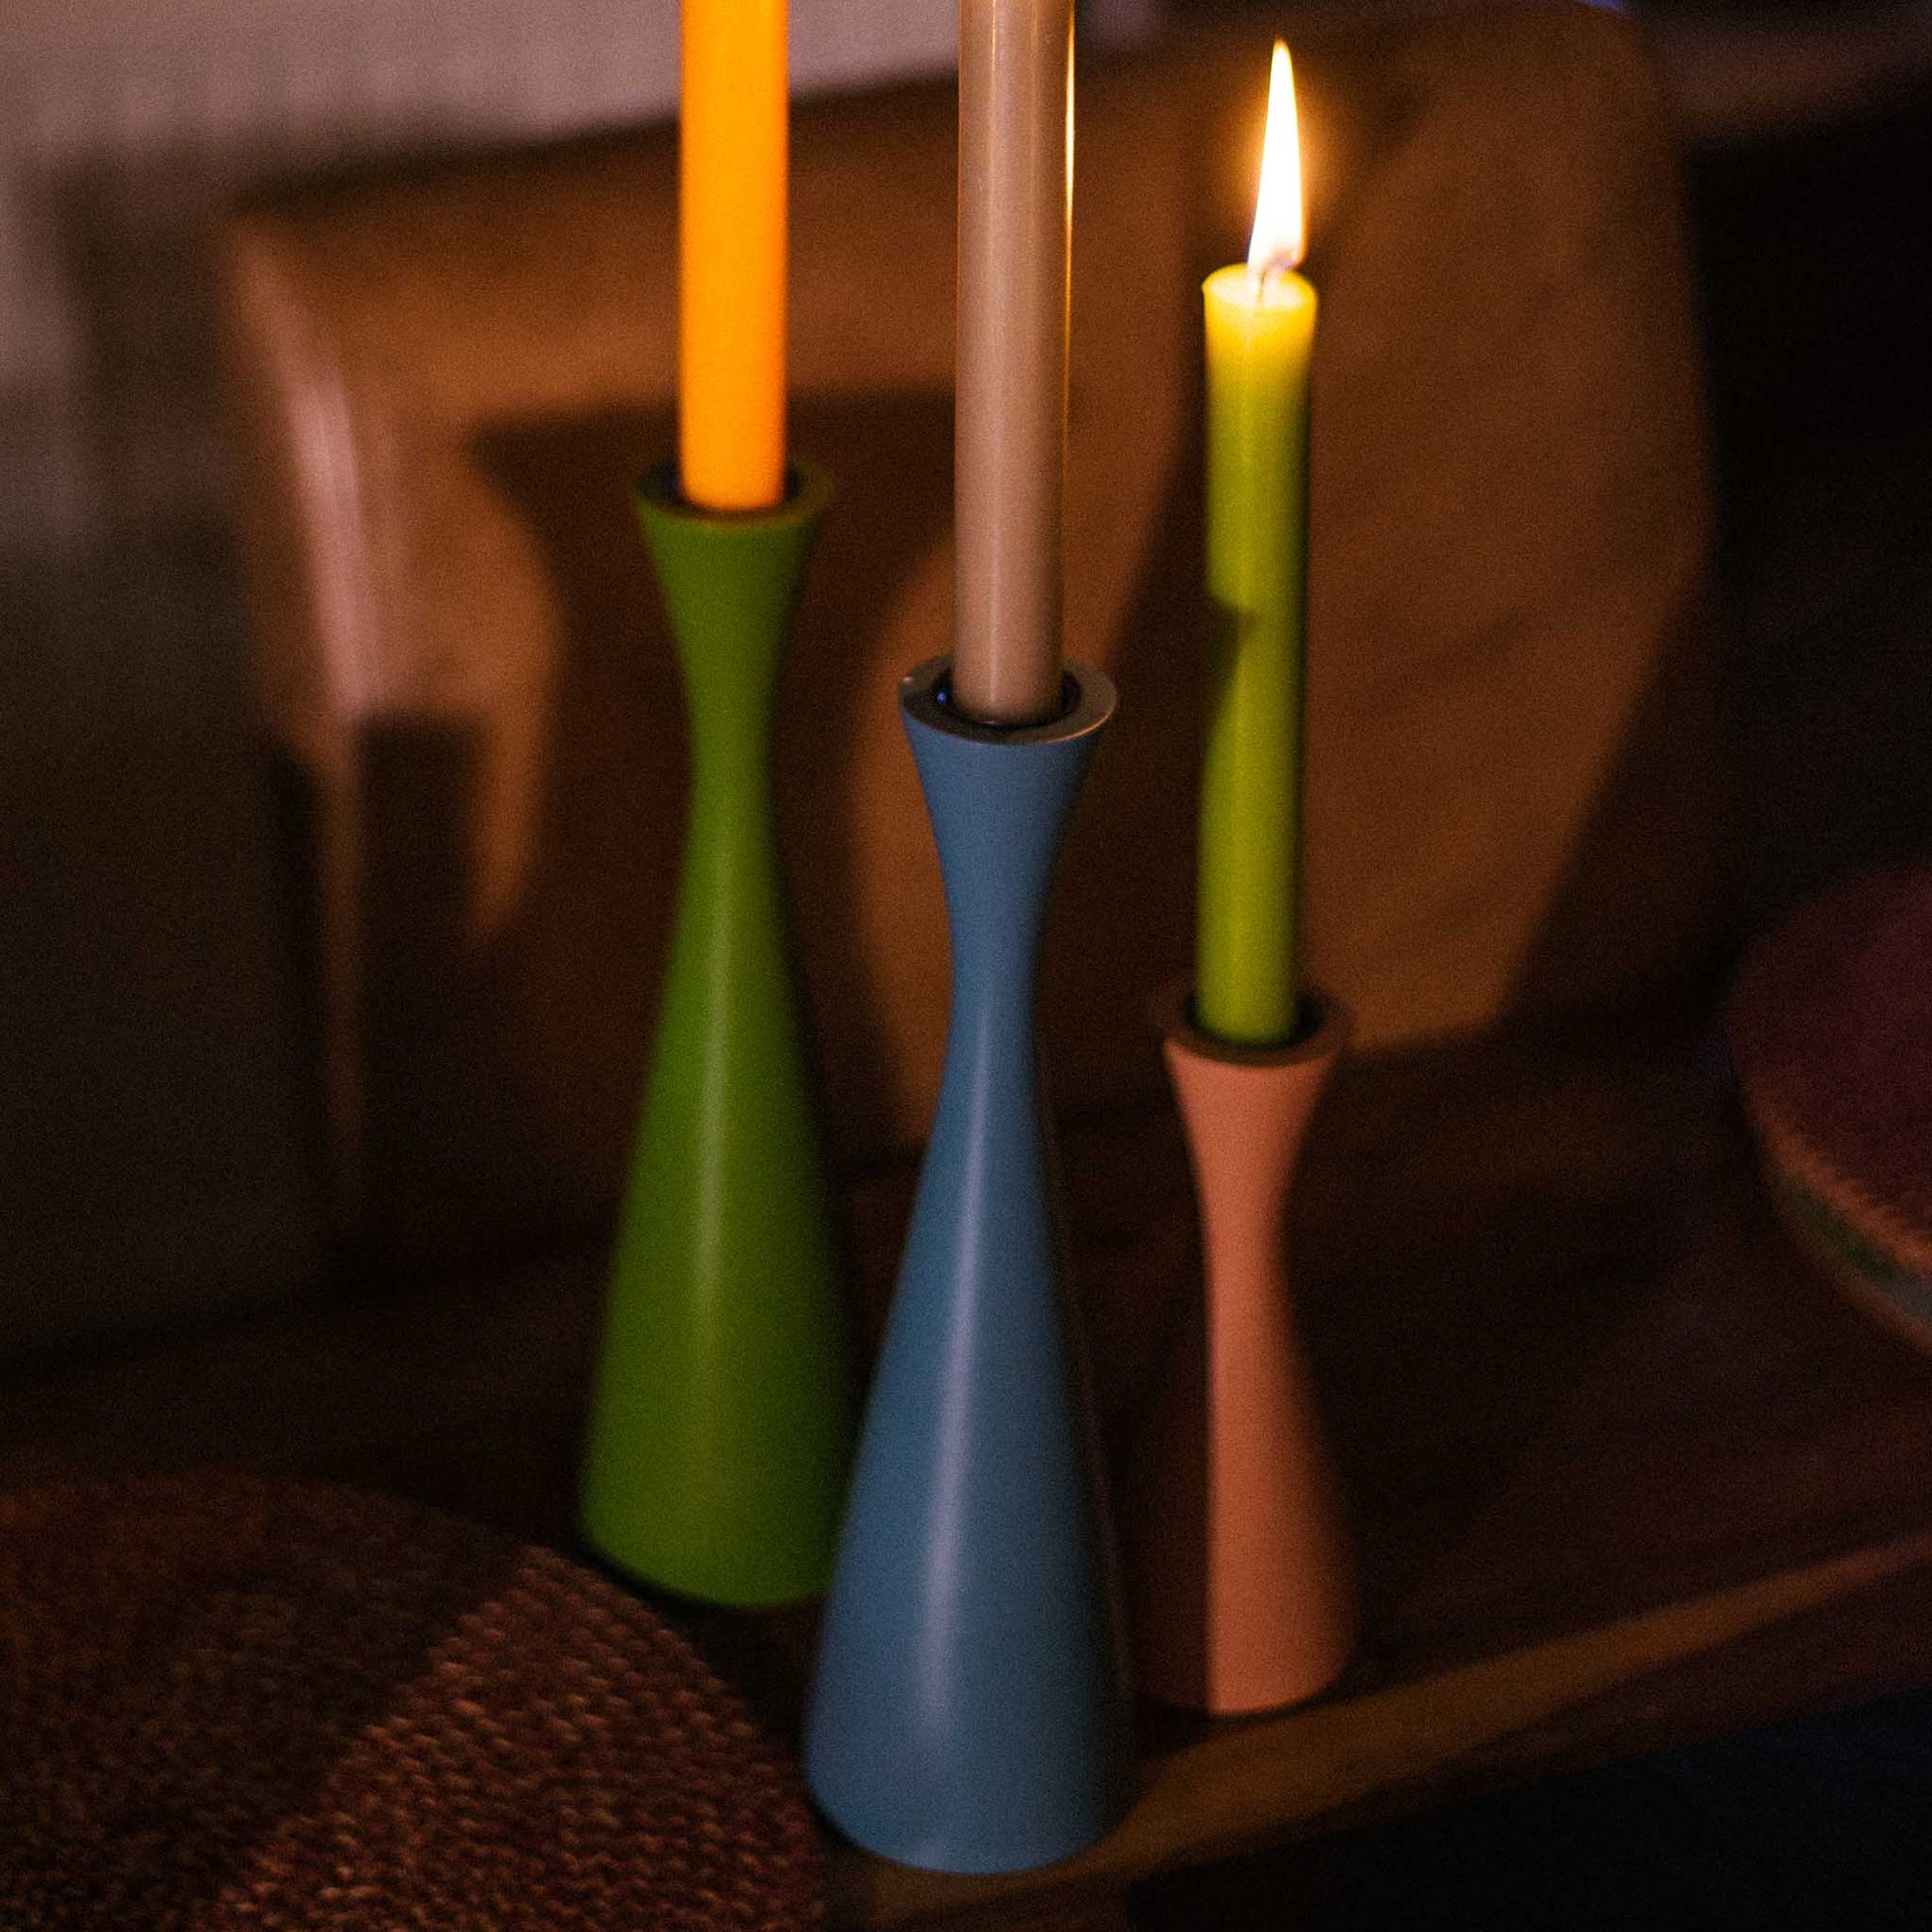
point(443, 381)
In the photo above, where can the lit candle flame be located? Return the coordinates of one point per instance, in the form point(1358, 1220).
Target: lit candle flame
point(1279, 238)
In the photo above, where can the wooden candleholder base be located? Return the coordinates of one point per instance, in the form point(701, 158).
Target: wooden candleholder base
point(722, 1421)
point(969, 1712)
point(1244, 1581)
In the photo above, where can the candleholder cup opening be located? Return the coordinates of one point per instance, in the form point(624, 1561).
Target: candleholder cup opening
point(1087, 700)
point(1069, 698)
point(808, 491)
point(1320, 1031)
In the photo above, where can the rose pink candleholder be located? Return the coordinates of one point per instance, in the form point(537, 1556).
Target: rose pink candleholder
point(1244, 1579)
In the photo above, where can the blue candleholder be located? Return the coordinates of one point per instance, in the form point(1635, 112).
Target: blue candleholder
point(969, 1712)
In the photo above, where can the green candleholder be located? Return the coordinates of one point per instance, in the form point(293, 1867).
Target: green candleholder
point(722, 1421)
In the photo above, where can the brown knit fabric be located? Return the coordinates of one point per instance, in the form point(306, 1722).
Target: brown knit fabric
point(227, 1703)
point(1831, 1028)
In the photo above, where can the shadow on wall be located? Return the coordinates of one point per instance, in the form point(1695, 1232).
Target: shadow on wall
point(528, 1040)
point(154, 1156)
point(524, 1043)
point(149, 1161)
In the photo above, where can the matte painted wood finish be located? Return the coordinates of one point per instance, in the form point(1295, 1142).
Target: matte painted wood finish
point(1246, 1584)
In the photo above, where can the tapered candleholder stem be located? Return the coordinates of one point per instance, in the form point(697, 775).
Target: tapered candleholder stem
point(1244, 1581)
point(968, 1713)
point(721, 1426)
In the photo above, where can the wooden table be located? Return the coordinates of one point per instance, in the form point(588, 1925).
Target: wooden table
point(1622, 1471)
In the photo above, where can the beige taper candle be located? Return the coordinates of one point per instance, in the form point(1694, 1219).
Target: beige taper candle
point(1016, 188)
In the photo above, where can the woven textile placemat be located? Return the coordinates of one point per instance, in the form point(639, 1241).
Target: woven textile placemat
point(1831, 1028)
point(232, 1704)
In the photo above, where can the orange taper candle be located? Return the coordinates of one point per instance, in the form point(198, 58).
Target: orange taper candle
point(732, 254)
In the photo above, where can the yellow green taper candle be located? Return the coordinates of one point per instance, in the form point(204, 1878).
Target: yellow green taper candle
point(1260, 342)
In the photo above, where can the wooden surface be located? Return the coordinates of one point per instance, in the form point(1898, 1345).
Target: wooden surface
point(1622, 1471)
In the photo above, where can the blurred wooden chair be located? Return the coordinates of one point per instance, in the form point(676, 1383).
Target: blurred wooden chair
point(442, 379)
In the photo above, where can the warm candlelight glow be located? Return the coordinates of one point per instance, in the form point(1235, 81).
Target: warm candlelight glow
point(1260, 317)
point(1279, 238)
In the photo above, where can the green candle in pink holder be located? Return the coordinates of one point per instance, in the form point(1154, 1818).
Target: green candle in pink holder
point(1260, 341)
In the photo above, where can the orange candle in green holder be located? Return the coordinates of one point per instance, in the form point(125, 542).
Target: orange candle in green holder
point(1260, 344)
